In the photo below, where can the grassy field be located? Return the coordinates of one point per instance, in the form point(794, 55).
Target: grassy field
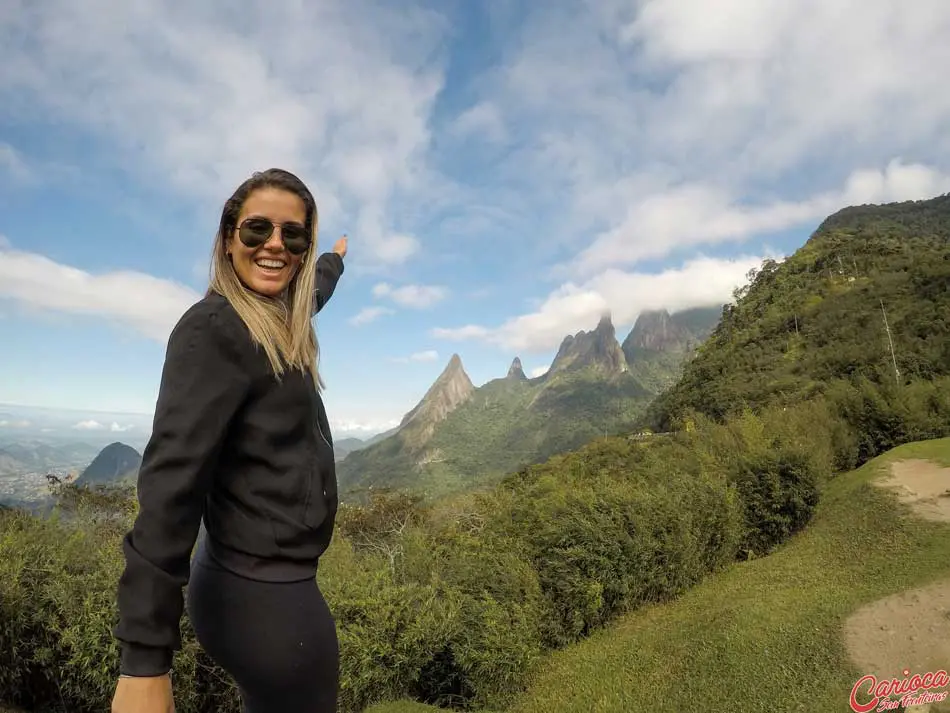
point(764, 635)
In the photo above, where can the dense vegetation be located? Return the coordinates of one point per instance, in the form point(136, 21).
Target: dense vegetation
point(456, 601)
point(816, 323)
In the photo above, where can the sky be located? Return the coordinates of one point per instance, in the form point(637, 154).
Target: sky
point(505, 171)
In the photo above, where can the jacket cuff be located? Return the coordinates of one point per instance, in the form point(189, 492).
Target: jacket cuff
point(138, 660)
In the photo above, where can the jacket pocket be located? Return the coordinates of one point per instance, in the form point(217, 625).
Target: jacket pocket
point(315, 511)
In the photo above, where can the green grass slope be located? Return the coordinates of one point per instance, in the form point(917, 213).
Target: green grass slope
point(763, 635)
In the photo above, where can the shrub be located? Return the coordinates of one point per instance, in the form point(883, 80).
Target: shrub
point(496, 629)
point(779, 492)
point(606, 542)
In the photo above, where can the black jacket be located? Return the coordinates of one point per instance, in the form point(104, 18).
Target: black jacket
point(251, 455)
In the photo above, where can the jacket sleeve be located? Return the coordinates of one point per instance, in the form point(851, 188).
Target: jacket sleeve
point(329, 269)
point(203, 384)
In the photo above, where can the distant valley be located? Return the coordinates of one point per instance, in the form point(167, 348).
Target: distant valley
point(25, 464)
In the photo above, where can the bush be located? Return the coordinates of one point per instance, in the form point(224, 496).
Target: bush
point(606, 540)
point(496, 629)
point(779, 491)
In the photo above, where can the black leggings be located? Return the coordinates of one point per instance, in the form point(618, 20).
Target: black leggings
point(277, 641)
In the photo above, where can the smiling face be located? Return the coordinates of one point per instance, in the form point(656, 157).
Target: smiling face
point(268, 269)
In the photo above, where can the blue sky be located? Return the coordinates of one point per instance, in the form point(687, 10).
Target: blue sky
point(505, 170)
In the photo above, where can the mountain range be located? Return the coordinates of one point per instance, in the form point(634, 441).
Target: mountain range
point(460, 436)
point(38, 456)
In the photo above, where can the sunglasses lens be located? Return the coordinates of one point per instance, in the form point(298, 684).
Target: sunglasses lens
point(296, 238)
point(255, 232)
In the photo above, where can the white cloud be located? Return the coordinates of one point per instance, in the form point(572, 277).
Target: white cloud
point(369, 314)
point(361, 429)
point(149, 305)
point(93, 425)
point(539, 371)
point(196, 97)
point(426, 356)
point(706, 214)
point(413, 296)
point(571, 308)
point(6, 423)
point(89, 426)
point(653, 125)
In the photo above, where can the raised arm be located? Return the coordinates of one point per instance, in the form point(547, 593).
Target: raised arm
point(329, 269)
point(203, 385)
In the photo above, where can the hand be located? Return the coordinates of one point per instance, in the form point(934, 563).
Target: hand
point(144, 694)
point(340, 246)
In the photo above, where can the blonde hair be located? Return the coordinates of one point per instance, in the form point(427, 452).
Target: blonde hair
point(282, 327)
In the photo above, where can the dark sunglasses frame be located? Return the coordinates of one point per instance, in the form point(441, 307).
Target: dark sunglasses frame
point(254, 232)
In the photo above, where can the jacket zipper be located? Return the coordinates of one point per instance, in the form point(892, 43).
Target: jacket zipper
point(320, 431)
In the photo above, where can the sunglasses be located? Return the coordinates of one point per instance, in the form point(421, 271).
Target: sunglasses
point(254, 232)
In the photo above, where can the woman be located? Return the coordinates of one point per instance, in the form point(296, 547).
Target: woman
point(241, 441)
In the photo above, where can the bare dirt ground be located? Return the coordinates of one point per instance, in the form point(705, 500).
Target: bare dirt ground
point(909, 630)
point(923, 485)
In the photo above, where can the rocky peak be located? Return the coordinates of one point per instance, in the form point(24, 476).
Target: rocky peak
point(448, 392)
point(516, 371)
point(597, 348)
point(657, 331)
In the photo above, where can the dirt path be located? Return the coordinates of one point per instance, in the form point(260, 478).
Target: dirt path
point(909, 630)
point(923, 485)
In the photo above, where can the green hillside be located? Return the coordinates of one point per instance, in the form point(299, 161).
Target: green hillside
point(116, 463)
point(506, 424)
point(818, 318)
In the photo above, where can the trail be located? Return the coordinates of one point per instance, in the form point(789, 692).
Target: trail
point(911, 629)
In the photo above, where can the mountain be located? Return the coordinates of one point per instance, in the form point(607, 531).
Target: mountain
point(452, 388)
point(344, 446)
point(516, 371)
point(116, 462)
point(459, 436)
point(863, 302)
point(660, 343)
point(597, 350)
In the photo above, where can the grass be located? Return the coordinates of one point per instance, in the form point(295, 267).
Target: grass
point(763, 635)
